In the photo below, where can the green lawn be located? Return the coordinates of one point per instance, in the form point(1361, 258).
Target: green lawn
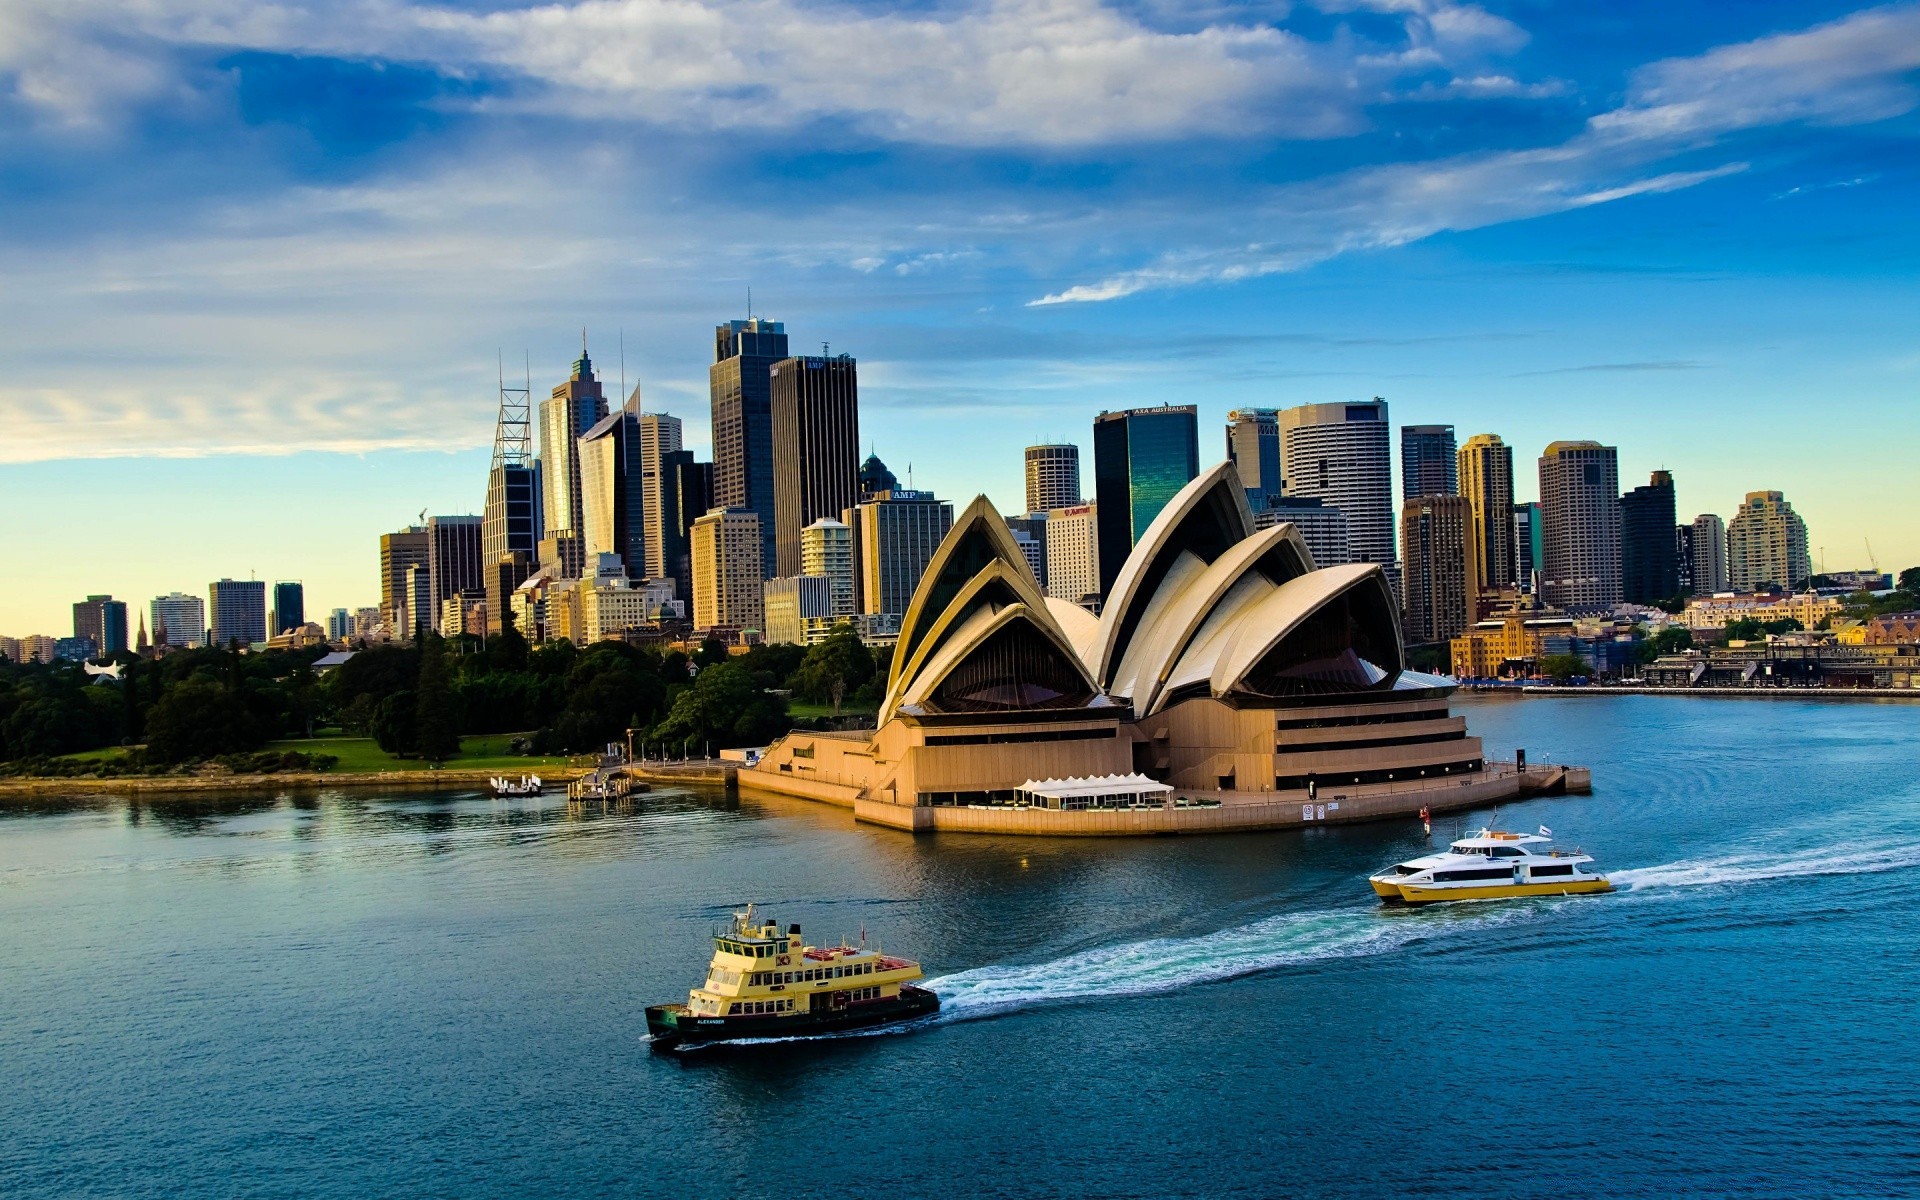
point(801, 710)
point(480, 752)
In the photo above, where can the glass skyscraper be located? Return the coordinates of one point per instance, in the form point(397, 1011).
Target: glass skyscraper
point(1141, 458)
point(741, 385)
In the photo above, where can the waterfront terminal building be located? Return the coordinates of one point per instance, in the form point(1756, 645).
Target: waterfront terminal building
point(1227, 684)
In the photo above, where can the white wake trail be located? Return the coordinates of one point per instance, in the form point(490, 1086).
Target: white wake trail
point(1755, 868)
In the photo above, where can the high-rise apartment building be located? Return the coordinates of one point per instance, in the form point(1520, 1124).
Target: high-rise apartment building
point(417, 617)
point(400, 551)
point(1342, 455)
point(239, 611)
point(177, 619)
point(612, 496)
point(575, 407)
point(103, 620)
point(894, 536)
point(455, 563)
point(816, 447)
point(659, 442)
point(826, 552)
point(1707, 569)
point(1440, 564)
point(1142, 457)
point(728, 581)
point(1767, 544)
point(1649, 569)
point(1322, 527)
point(1528, 552)
point(1053, 476)
point(289, 610)
point(1253, 447)
point(1485, 476)
point(1073, 553)
point(1427, 461)
point(1580, 525)
point(741, 386)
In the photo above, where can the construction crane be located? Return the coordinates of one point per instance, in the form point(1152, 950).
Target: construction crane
point(1871, 560)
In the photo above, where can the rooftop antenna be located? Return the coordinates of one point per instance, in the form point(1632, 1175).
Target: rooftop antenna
point(749, 302)
point(623, 361)
point(513, 430)
point(823, 349)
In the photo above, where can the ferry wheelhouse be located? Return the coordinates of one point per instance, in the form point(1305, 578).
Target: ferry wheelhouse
point(1491, 865)
point(763, 983)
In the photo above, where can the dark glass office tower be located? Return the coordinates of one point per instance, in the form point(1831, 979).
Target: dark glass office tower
point(289, 607)
point(1141, 458)
point(816, 448)
point(103, 621)
point(1427, 464)
point(1649, 562)
point(686, 496)
point(743, 356)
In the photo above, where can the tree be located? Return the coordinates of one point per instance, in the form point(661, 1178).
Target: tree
point(199, 719)
point(1672, 640)
point(507, 650)
point(612, 688)
point(61, 721)
point(836, 667)
point(1743, 629)
point(436, 729)
point(726, 706)
point(712, 653)
point(1910, 581)
point(392, 724)
point(1562, 667)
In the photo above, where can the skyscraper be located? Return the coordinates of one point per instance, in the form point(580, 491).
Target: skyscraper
point(1708, 569)
point(659, 441)
point(612, 492)
point(178, 619)
point(816, 447)
point(103, 621)
point(728, 582)
point(1341, 454)
point(875, 478)
point(1767, 544)
point(339, 625)
point(1580, 525)
point(509, 532)
point(239, 609)
point(1427, 462)
point(826, 552)
point(1528, 552)
point(743, 356)
point(455, 563)
point(1029, 531)
point(1073, 553)
point(686, 496)
point(894, 536)
point(1141, 458)
point(1440, 561)
point(575, 407)
point(1253, 447)
point(1322, 527)
point(1648, 570)
point(1485, 476)
point(290, 605)
point(1053, 477)
point(400, 550)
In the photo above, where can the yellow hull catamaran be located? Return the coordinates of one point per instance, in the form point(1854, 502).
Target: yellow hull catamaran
point(1491, 865)
point(763, 983)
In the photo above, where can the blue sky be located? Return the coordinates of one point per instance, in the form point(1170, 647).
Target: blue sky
point(257, 261)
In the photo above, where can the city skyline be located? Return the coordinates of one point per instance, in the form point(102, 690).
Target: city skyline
point(307, 319)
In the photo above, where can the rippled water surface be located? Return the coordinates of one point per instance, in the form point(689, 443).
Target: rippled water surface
point(351, 995)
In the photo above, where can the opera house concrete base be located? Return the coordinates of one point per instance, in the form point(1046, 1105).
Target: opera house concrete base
point(1227, 684)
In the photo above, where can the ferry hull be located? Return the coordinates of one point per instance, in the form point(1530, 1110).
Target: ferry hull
point(1409, 894)
point(672, 1025)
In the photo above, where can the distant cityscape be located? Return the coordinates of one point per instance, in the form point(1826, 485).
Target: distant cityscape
point(597, 523)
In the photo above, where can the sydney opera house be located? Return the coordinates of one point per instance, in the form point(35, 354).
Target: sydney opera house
point(1227, 684)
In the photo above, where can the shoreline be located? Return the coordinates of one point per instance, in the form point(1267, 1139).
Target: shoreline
point(29, 787)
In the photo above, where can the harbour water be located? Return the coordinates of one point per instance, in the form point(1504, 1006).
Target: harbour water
point(333, 995)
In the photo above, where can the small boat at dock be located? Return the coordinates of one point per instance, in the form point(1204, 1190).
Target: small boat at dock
point(763, 983)
point(528, 785)
point(1491, 865)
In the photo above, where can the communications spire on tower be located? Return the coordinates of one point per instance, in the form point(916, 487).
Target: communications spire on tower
point(513, 430)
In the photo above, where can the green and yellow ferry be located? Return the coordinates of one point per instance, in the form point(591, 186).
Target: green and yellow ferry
point(763, 983)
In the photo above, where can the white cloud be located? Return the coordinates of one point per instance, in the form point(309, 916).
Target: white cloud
point(1002, 72)
point(1849, 72)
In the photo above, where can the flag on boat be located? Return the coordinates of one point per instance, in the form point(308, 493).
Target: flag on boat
point(1545, 832)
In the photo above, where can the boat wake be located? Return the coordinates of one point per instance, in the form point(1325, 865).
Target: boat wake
point(1296, 939)
point(1757, 868)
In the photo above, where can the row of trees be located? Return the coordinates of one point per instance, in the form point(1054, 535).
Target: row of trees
point(419, 700)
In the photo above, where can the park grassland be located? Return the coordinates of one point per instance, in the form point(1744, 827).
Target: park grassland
point(488, 752)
